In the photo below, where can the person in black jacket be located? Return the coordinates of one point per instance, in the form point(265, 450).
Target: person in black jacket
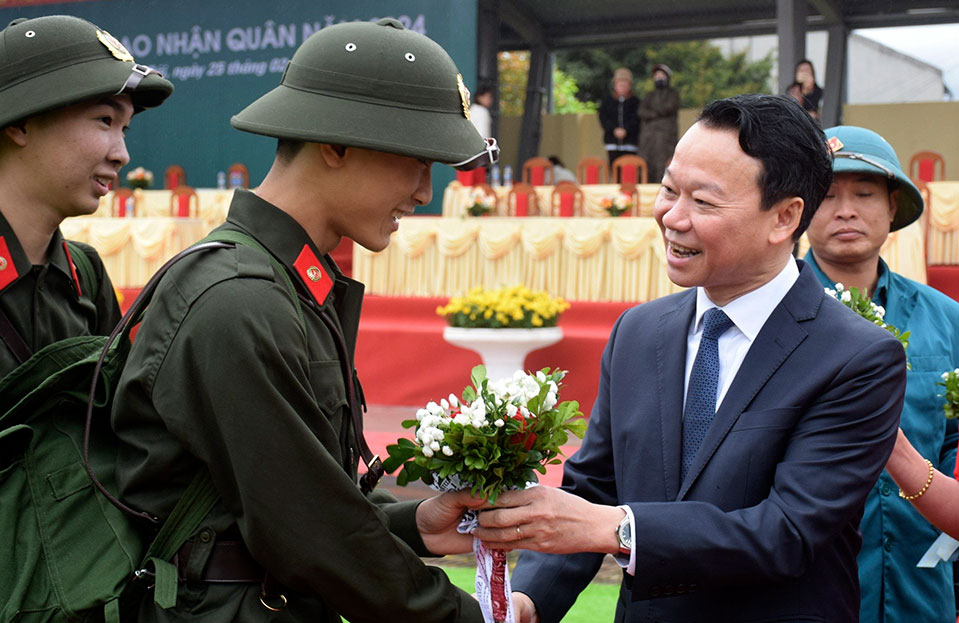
point(618, 114)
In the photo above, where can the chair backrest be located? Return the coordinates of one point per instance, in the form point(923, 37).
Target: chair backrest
point(592, 170)
point(122, 200)
point(522, 200)
point(633, 192)
point(237, 176)
point(630, 169)
point(184, 202)
point(923, 166)
point(566, 200)
point(488, 191)
point(174, 176)
point(538, 171)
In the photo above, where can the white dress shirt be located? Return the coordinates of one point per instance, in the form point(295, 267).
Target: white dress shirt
point(749, 313)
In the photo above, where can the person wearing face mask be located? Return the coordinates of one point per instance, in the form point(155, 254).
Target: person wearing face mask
point(618, 116)
point(660, 127)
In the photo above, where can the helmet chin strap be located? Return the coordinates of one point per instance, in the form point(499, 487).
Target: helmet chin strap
point(490, 155)
point(138, 73)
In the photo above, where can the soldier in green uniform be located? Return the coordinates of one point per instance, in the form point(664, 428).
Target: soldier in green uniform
point(67, 93)
point(222, 375)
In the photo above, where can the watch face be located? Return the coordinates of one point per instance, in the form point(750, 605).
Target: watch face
point(625, 534)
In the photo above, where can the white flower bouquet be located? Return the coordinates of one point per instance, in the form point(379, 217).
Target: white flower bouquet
point(496, 437)
point(481, 203)
point(863, 305)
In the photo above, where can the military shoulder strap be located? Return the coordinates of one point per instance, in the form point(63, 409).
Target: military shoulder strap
point(86, 272)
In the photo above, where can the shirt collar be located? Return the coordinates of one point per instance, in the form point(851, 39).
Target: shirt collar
point(880, 296)
point(750, 311)
point(56, 256)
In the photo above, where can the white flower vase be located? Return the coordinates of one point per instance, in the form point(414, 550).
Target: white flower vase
point(503, 351)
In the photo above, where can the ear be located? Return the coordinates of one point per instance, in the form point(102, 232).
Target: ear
point(787, 214)
point(335, 156)
point(17, 133)
point(893, 204)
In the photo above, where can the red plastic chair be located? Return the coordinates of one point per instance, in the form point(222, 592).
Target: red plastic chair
point(538, 172)
point(566, 200)
point(237, 176)
point(123, 199)
point(522, 201)
point(184, 202)
point(923, 166)
point(592, 170)
point(630, 170)
point(174, 176)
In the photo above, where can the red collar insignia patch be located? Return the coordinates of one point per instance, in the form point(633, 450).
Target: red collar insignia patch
point(8, 270)
point(73, 269)
point(310, 270)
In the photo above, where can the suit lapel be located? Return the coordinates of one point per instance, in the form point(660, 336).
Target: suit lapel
point(671, 332)
point(778, 338)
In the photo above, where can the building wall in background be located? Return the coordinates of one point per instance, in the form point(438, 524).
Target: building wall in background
point(222, 54)
point(875, 73)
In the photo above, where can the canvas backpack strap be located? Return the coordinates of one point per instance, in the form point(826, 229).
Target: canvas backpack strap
point(11, 337)
point(197, 501)
point(84, 269)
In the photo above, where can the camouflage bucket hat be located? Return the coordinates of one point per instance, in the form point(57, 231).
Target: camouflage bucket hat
point(859, 150)
point(376, 86)
point(50, 62)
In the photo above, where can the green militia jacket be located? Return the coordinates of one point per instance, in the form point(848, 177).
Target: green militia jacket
point(222, 376)
point(49, 303)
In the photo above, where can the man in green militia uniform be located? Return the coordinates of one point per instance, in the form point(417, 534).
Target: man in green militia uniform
point(67, 93)
point(222, 375)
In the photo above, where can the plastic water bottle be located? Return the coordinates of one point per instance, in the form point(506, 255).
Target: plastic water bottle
point(507, 175)
point(494, 176)
point(221, 180)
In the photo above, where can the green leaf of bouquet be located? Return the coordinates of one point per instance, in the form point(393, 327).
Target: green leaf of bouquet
point(577, 427)
point(409, 423)
point(478, 375)
point(469, 395)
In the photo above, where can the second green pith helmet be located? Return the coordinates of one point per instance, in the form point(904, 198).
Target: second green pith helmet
point(54, 61)
point(376, 86)
point(860, 150)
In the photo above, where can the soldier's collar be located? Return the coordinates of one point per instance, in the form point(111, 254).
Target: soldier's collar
point(286, 240)
point(14, 262)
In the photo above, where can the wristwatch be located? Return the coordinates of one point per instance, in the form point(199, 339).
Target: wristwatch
point(624, 532)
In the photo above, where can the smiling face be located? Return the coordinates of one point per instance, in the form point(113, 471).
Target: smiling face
point(708, 209)
point(853, 221)
point(74, 153)
point(385, 188)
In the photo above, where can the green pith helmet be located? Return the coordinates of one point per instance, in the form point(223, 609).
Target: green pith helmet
point(858, 150)
point(376, 86)
point(58, 60)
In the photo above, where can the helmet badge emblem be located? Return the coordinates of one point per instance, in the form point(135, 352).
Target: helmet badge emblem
point(116, 48)
point(464, 95)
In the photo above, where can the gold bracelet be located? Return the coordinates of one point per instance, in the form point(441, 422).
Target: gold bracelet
point(925, 487)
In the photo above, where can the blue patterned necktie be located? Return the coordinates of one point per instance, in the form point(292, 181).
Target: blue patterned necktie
point(703, 384)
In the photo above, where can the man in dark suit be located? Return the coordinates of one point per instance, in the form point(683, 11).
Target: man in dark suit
point(739, 425)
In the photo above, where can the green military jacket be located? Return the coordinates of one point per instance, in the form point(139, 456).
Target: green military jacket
point(222, 376)
point(49, 303)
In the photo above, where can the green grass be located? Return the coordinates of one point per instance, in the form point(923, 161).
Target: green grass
point(596, 603)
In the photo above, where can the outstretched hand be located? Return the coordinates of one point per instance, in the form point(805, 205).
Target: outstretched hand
point(437, 518)
point(546, 519)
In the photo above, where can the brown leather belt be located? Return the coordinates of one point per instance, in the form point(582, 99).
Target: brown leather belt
point(229, 562)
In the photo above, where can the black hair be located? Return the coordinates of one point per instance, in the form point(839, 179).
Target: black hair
point(286, 150)
point(556, 161)
point(812, 68)
point(774, 129)
point(482, 91)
